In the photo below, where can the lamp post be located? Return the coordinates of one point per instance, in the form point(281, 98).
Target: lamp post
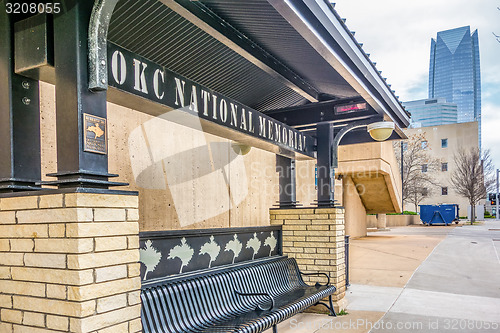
point(379, 131)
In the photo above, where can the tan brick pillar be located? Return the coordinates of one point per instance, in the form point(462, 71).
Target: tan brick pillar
point(315, 238)
point(69, 263)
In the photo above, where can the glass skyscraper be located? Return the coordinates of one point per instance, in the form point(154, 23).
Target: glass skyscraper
point(431, 112)
point(454, 72)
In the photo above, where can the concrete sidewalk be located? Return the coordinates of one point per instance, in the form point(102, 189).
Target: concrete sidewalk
point(419, 279)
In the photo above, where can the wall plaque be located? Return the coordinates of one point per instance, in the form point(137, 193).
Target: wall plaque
point(95, 139)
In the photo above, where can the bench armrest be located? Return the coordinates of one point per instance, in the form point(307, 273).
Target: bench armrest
point(318, 273)
point(258, 294)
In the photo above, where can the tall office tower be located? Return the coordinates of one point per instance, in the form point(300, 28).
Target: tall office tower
point(431, 112)
point(454, 72)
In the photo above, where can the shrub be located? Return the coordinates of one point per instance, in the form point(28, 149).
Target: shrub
point(406, 212)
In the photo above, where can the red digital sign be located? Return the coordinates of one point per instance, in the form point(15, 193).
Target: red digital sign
point(351, 107)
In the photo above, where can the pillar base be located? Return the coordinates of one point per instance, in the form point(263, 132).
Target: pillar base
point(9, 185)
point(69, 263)
point(287, 205)
point(315, 238)
point(83, 180)
point(332, 203)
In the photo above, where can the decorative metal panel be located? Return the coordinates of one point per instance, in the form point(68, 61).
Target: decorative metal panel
point(167, 253)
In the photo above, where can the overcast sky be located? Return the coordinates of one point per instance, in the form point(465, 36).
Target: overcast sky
point(397, 34)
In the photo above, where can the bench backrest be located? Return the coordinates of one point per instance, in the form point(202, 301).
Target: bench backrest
point(176, 252)
point(200, 301)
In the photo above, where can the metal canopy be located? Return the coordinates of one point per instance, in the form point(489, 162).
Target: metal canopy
point(294, 59)
point(274, 56)
point(156, 32)
point(262, 23)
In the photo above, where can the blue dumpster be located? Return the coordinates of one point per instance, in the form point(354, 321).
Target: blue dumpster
point(439, 214)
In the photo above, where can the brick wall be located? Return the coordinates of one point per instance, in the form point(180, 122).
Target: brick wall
point(315, 238)
point(69, 263)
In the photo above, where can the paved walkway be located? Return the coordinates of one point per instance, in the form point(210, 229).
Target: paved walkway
point(419, 279)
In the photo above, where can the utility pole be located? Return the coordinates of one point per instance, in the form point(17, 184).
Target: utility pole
point(496, 211)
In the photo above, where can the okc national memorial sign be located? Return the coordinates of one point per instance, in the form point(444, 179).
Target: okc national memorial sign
point(141, 77)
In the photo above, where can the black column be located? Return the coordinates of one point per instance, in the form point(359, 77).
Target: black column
point(326, 175)
point(287, 182)
point(19, 119)
point(77, 165)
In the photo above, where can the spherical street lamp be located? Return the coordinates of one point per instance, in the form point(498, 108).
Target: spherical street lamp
point(380, 131)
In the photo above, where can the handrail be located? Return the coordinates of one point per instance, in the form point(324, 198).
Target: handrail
point(318, 273)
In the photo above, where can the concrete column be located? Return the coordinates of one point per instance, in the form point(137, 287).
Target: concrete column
point(381, 221)
point(69, 263)
point(315, 238)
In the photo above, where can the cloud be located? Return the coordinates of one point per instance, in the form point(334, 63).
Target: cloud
point(491, 125)
point(397, 34)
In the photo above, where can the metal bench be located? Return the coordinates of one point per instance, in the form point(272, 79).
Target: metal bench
point(250, 297)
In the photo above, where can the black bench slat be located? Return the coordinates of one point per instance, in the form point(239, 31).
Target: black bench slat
point(305, 297)
point(209, 303)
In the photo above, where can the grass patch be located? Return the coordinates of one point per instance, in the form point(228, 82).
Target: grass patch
point(342, 312)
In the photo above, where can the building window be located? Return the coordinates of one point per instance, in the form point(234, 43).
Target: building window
point(424, 145)
point(444, 143)
point(424, 167)
point(425, 191)
point(444, 166)
point(444, 191)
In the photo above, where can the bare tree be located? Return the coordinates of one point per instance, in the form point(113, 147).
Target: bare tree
point(473, 177)
point(418, 167)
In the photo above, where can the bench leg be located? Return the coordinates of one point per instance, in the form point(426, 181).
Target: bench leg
point(275, 329)
point(332, 309)
point(329, 307)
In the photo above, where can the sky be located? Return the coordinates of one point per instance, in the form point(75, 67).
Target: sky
point(397, 34)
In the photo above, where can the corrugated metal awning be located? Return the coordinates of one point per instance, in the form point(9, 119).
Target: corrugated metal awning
point(267, 54)
point(151, 29)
